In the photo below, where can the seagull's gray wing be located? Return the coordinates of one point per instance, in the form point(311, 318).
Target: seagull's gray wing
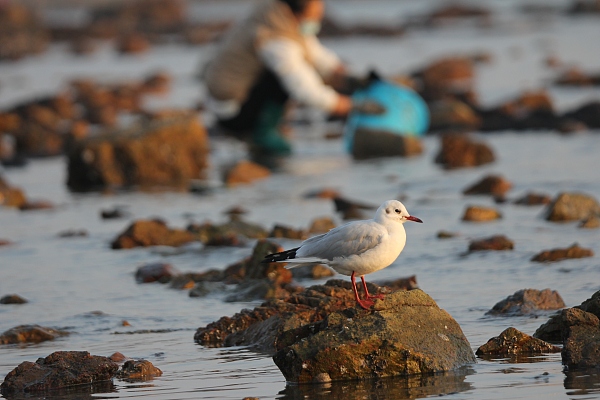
point(346, 240)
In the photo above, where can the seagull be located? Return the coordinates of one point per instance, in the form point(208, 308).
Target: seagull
point(356, 248)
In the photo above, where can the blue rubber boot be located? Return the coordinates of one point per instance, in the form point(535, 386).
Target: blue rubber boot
point(266, 138)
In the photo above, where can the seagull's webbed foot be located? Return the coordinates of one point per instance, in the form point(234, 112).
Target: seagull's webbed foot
point(365, 304)
point(369, 295)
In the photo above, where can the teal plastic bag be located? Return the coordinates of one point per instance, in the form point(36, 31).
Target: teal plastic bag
point(406, 113)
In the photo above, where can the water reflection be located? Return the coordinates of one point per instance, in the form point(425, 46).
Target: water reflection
point(78, 392)
point(412, 387)
point(582, 382)
point(519, 358)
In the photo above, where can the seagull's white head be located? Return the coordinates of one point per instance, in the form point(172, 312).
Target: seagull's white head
point(393, 210)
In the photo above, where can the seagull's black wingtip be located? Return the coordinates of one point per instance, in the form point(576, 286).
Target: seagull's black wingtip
point(282, 256)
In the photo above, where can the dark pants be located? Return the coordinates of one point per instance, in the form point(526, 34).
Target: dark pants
point(267, 90)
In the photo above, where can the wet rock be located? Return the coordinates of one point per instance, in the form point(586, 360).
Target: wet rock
point(570, 126)
point(30, 334)
point(533, 199)
point(562, 254)
point(528, 301)
point(321, 225)
point(574, 76)
point(262, 326)
point(13, 299)
point(113, 213)
point(453, 114)
point(588, 113)
point(166, 152)
point(157, 83)
point(23, 32)
point(374, 144)
point(245, 172)
point(408, 283)
point(351, 209)
point(312, 272)
point(70, 233)
point(59, 370)
point(156, 272)
point(555, 328)
point(581, 343)
point(447, 235)
point(455, 11)
point(452, 75)
point(138, 370)
point(143, 233)
point(407, 334)
point(481, 214)
point(494, 185)
point(118, 357)
point(280, 231)
point(512, 341)
point(133, 43)
point(591, 222)
point(568, 206)
point(32, 205)
point(498, 242)
point(11, 196)
point(229, 233)
point(459, 151)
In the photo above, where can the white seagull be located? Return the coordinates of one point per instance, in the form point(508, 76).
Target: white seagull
point(356, 248)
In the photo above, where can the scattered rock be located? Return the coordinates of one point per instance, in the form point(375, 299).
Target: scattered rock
point(453, 114)
point(312, 272)
point(528, 301)
point(533, 199)
point(245, 172)
point(512, 341)
point(5, 242)
point(407, 334)
point(452, 75)
point(574, 76)
point(494, 185)
point(118, 357)
point(568, 206)
point(23, 32)
point(167, 152)
point(581, 343)
point(138, 370)
point(60, 369)
point(151, 233)
point(262, 326)
point(481, 214)
point(584, 7)
point(588, 113)
point(280, 231)
point(408, 283)
point(133, 43)
point(11, 196)
point(321, 225)
point(231, 233)
point(591, 222)
point(498, 242)
point(30, 334)
point(459, 151)
point(373, 144)
point(113, 213)
point(447, 235)
point(554, 330)
point(13, 299)
point(156, 272)
point(73, 233)
point(37, 205)
point(351, 209)
point(562, 254)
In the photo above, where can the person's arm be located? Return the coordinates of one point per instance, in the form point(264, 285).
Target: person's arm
point(302, 81)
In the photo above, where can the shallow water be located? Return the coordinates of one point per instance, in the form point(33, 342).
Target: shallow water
point(81, 285)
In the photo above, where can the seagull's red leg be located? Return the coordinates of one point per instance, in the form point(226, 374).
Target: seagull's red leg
point(366, 304)
point(370, 296)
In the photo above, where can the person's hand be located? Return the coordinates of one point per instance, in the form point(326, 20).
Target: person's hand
point(343, 106)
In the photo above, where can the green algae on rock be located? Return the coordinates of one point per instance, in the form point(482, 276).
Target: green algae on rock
point(406, 334)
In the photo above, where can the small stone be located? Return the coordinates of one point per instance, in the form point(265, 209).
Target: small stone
point(533, 199)
point(280, 231)
point(118, 357)
point(481, 214)
point(321, 225)
point(528, 301)
point(562, 254)
point(246, 172)
point(151, 233)
point(570, 206)
point(460, 151)
point(373, 144)
point(30, 334)
point(498, 242)
point(312, 272)
point(113, 213)
point(138, 370)
point(493, 185)
point(447, 235)
point(13, 299)
point(512, 341)
point(591, 222)
point(73, 233)
point(156, 272)
point(37, 205)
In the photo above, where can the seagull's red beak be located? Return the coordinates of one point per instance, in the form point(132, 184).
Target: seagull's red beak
point(414, 219)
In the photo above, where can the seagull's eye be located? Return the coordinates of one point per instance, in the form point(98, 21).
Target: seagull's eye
point(397, 211)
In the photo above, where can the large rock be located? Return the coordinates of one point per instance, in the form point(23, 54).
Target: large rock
point(562, 254)
point(555, 328)
point(569, 206)
point(373, 144)
point(512, 341)
point(459, 151)
point(167, 152)
point(30, 334)
point(60, 369)
point(144, 233)
point(407, 334)
point(528, 301)
point(581, 339)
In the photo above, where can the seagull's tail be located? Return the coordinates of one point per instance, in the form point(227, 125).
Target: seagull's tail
point(281, 257)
